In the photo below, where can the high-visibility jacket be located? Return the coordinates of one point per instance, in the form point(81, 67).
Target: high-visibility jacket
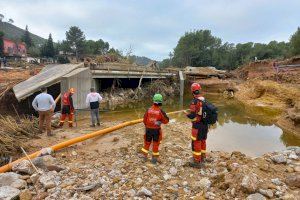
point(154, 116)
point(67, 100)
point(195, 109)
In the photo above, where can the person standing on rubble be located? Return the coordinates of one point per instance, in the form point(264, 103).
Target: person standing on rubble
point(93, 100)
point(199, 129)
point(153, 119)
point(45, 105)
point(67, 108)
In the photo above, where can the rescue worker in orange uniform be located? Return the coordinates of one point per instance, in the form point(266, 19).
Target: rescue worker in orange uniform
point(67, 108)
point(199, 129)
point(153, 119)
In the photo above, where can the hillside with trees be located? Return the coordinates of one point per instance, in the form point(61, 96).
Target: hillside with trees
point(74, 43)
point(201, 48)
point(140, 60)
point(15, 33)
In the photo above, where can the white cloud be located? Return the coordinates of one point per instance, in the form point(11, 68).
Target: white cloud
point(154, 27)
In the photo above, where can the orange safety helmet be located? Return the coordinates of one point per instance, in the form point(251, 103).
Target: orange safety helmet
point(195, 87)
point(72, 90)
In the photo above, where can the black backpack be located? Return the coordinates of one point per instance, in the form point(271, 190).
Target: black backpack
point(209, 113)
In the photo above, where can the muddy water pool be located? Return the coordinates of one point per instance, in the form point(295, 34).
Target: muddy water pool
point(251, 130)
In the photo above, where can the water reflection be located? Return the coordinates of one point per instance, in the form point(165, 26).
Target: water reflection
point(242, 128)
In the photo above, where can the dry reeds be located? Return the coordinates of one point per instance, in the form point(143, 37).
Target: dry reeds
point(13, 132)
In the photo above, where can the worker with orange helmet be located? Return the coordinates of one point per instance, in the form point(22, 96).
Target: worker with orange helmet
point(199, 129)
point(67, 108)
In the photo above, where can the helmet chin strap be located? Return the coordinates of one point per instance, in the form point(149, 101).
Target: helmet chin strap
point(197, 92)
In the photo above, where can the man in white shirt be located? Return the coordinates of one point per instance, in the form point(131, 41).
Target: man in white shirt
point(93, 100)
point(45, 105)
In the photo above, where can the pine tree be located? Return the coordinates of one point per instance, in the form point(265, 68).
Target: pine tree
point(27, 39)
point(295, 42)
point(48, 49)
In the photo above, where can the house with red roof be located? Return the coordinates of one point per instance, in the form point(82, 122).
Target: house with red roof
point(15, 49)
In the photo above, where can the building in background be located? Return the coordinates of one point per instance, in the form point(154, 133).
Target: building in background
point(14, 49)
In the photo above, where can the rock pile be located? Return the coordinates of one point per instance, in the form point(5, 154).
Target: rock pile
point(122, 174)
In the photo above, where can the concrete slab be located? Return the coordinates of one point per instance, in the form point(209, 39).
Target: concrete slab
point(81, 80)
point(129, 74)
point(43, 79)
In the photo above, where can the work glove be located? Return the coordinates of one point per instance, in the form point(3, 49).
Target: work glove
point(158, 123)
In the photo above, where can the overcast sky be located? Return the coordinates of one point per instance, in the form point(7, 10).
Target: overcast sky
point(153, 27)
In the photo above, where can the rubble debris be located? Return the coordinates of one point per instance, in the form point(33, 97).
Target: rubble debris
point(12, 179)
point(293, 180)
point(23, 167)
point(144, 192)
point(120, 173)
point(25, 195)
point(121, 97)
point(14, 131)
point(279, 158)
point(49, 180)
point(256, 196)
point(250, 183)
point(264, 70)
point(8, 193)
point(267, 193)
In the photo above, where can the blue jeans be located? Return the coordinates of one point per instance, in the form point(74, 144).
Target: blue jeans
point(95, 116)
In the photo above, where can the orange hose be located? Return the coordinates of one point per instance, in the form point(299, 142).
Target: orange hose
point(70, 142)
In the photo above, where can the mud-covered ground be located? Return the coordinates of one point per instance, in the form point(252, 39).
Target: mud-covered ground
point(273, 95)
point(110, 167)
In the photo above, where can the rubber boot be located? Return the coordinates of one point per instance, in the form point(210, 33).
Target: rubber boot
point(154, 160)
point(196, 164)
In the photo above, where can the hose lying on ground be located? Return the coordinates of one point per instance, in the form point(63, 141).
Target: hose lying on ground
point(70, 142)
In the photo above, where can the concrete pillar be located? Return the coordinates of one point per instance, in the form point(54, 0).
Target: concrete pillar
point(181, 82)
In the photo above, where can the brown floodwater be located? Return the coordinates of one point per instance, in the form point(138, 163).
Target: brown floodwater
point(251, 130)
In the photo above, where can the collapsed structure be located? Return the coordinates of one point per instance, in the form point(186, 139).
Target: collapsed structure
point(58, 78)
